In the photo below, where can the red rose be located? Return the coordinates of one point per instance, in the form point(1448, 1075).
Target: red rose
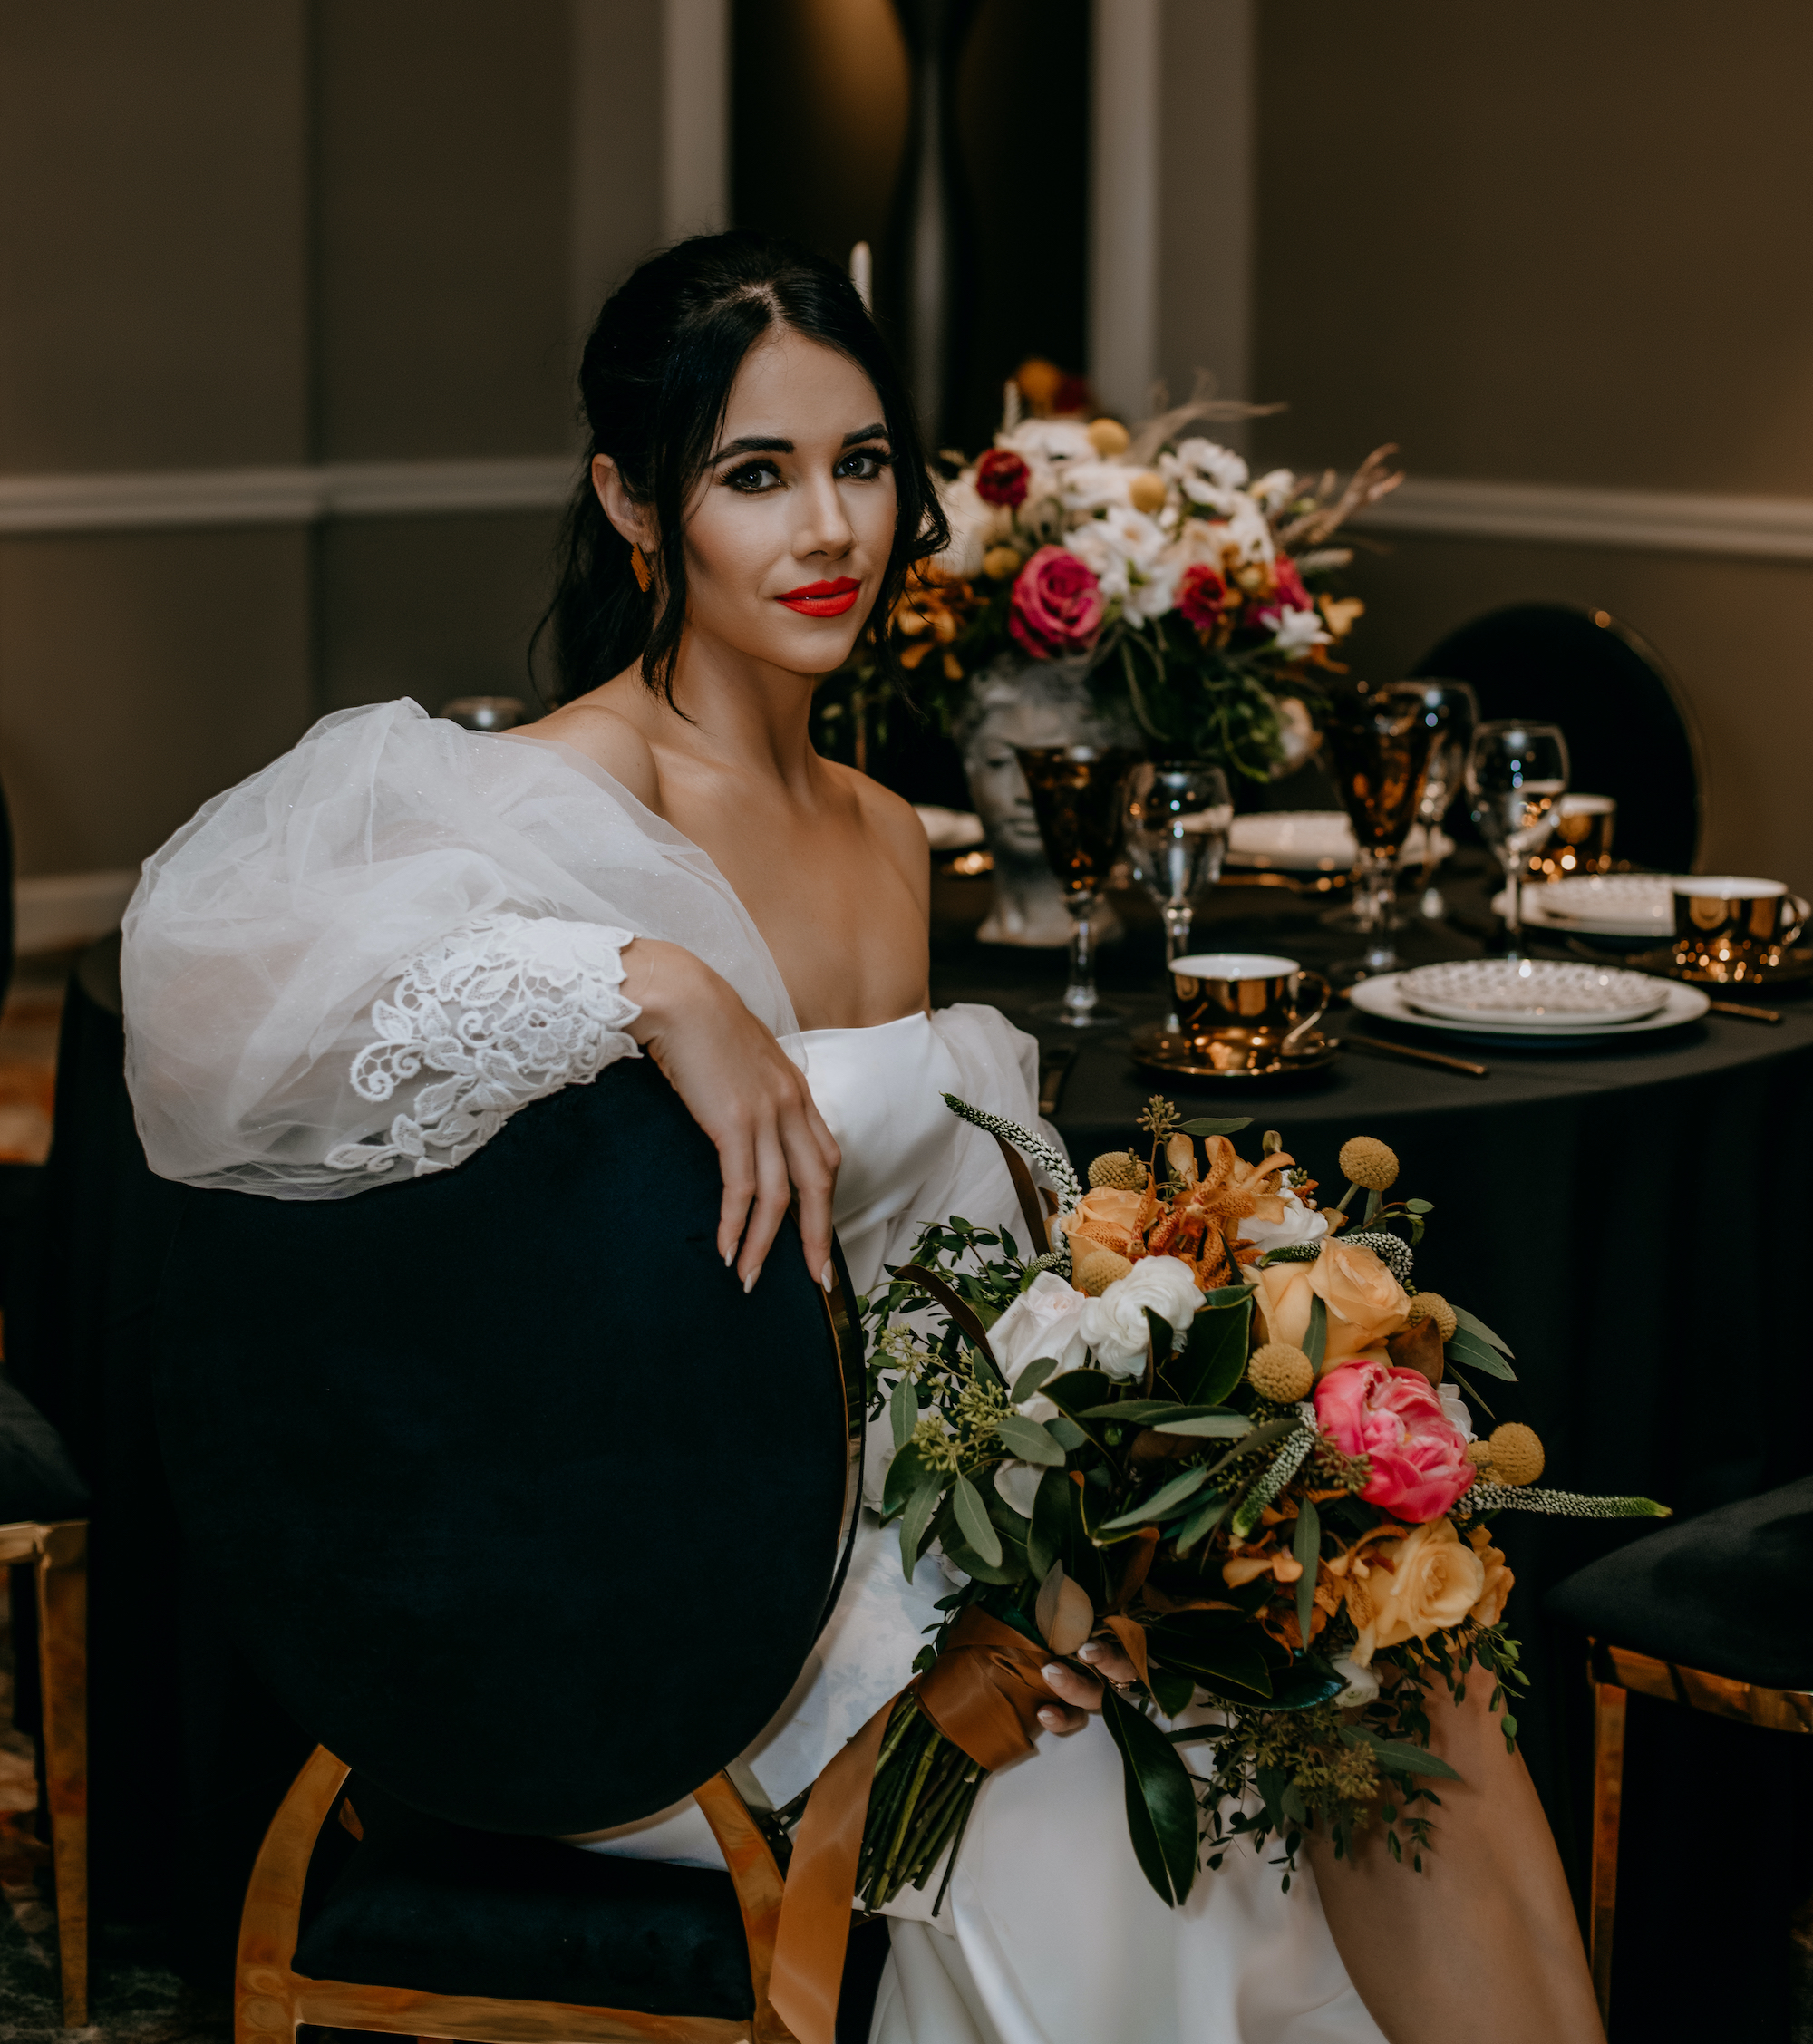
point(1202, 596)
point(1288, 585)
point(1056, 605)
point(1001, 478)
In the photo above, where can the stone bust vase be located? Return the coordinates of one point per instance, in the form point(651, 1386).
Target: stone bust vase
point(1015, 701)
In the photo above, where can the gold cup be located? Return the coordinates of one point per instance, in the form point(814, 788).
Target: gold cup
point(1729, 930)
point(1250, 994)
point(1581, 841)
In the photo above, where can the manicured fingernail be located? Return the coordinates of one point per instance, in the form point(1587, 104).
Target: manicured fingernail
point(748, 1282)
point(730, 1256)
point(827, 1277)
point(1050, 1670)
point(1090, 1653)
point(1051, 1719)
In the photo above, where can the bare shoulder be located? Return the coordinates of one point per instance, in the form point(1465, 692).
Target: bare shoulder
point(604, 735)
point(892, 820)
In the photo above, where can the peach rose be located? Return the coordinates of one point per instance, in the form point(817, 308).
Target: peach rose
point(1365, 1303)
point(1407, 1588)
point(1110, 1217)
point(1490, 1607)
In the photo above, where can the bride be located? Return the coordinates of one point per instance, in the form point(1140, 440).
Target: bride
point(351, 969)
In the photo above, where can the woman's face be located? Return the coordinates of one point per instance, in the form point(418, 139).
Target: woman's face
point(789, 529)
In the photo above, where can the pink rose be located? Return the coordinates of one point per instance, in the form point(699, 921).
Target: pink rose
point(1001, 478)
point(1202, 596)
point(1056, 605)
point(1395, 1417)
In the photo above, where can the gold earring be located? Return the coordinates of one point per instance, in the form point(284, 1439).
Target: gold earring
point(639, 567)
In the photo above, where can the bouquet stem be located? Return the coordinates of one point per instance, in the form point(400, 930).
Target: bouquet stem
point(923, 1790)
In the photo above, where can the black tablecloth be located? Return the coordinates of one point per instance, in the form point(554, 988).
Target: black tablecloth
point(1629, 1219)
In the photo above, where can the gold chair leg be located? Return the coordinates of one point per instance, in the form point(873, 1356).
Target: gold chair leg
point(63, 1662)
point(264, 1989)
point(1608, 1786)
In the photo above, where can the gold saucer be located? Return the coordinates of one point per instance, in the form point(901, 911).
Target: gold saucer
point(1779, 966)
point(1232, 1056)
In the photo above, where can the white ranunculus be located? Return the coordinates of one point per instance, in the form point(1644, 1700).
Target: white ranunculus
point(1050, 439)
point(1249, 534)
point(1300, 1223)
point(1298, 631)
point(1198, 543)
point(1363, 1684)
point(1220, 467)
point(1454, 1410)
point(1154, 595)
point(1045, 1319)
point(1273, 490)
point(1094, 546)
point(1095, 486)
point(975, 526)
point(1018, 1482)
point(1114, 1325)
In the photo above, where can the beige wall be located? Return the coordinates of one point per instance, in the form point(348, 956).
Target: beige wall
point(301, 231)
point(1562, 244)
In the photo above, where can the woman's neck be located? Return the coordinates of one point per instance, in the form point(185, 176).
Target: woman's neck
point(735, 711)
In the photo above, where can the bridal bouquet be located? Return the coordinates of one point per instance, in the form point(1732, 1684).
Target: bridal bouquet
point(1188, 585)
point(1218, 1426)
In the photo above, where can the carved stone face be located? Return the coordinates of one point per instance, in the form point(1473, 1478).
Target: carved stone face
point(996, 785)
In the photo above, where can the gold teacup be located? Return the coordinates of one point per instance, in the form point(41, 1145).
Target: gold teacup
point(1729, 929)
point(1250, 990)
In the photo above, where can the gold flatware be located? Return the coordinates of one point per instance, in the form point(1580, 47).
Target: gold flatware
point(1745, 1014)
point(1055, 1068)
point(1384, 1049)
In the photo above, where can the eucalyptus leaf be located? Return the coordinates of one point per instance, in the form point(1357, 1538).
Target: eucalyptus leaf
point(1315, 1341)
point(922, 1508)
point(1261, 1437)
point(1161, 1811)
point(978, 1528)
point(1475, 1325)
point(1479, 1355)
point(1147, 1412)
point(1160, 1501)
point(1306, 1550)
point(903, 1411)
point(1065, 1432)
point(908, 1471)
point(1211, 1127)
point(1204, 1520)
point(1031, 1378)
point(1399, 1756)
point(1213, 1425)
point(1029, 1440)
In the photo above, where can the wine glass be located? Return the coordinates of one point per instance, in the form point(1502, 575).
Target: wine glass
point(1178, 813)
point(1378, 739)
point(1445, 774)
point(1080, 799)
point(1516, 772)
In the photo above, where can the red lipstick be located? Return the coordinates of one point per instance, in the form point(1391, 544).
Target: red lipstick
point(822, 599)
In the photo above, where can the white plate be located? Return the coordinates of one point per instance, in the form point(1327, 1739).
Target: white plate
point(1311, 841)
point(1382, 998)
point(1611, 905)
point(1535, 993)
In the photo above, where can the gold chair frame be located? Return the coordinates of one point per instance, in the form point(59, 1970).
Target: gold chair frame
point(58, 1553)
point(1616, 1673)
point(270, 1998)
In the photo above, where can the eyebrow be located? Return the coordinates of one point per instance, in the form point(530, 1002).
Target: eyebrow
point(755, 443)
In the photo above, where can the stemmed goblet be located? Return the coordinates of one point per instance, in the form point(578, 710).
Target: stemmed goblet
point(1379, 739)
point(1080, 799)
point(1178, 814)
point(1515, 774)
point(1443, 778)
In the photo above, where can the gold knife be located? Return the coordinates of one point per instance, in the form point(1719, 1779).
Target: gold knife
point(1384, 1049)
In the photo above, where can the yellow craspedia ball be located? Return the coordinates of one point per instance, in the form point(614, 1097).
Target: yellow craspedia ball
point(1001, 564)
point(1095, 1271)
point(1432, 1306)
point(1119, 1170)
point(1108, 438)
point(1369, 1162)
point(1281, 1372)
point(1147, 491)
point(1479, 1454)
point(1517, 1453)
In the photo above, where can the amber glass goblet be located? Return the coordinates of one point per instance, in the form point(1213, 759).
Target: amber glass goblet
point(1377, 740)
point(1080, 799)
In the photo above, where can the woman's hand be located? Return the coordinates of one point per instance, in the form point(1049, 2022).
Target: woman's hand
point(748, 1096)
point(1082, 1693)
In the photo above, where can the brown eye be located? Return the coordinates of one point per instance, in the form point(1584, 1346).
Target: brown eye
point(865, 464)
point(753, 479)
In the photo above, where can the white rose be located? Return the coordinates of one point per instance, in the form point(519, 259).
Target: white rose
point(1299, 1224)
point(975, 525)
point(1298, 631)
point(1454, 1408)
point(1114, 1325)
point(1363, 1684)
point(1045, 1319)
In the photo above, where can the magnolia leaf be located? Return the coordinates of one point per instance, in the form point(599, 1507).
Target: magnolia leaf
point(1315, 1341)
point(903, 1411)
point(1214, 1349)
point(1304, 1684)
point(1161, 1812)
point(1063, 1613)
point(1475, 1325)
point(1172, 1493)
point(1307, 1549)
point(978, 1528)
point(1029, 1440)
point(1031, 1378)
point(1172, 1692)
point(1162, 1336)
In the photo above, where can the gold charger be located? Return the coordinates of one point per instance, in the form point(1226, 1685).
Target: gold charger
point(1230, 1056)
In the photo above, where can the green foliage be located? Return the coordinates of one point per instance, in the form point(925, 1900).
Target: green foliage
point(1161, 1816)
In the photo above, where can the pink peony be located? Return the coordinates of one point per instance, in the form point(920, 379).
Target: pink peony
point(1056, 605)
point(1001, 478)
point(1202, 596)
point(1395, 1417)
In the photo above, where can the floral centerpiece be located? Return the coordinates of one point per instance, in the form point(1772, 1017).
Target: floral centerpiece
point(1216, 1423)
point(1197, 591)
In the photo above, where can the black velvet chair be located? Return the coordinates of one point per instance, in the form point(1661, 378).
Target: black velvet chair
point(44, 1528)
point(1711, 1614)
point(1629, 731)
point(530, 1516)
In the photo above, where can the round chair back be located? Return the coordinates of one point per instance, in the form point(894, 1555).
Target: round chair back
point(521, 1505)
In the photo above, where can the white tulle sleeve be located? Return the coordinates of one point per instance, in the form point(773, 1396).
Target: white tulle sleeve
point(355, 966)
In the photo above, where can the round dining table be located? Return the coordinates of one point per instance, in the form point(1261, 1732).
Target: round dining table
point(1628, 1216)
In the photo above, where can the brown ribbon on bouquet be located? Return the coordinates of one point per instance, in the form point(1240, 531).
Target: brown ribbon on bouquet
point(982, 1694)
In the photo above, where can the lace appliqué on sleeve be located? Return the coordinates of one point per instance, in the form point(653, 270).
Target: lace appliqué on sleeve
point(511, 1008)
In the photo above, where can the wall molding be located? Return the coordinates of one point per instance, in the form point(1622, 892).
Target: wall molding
point(1650, 521)
point(296, 496)
point(1124, 203)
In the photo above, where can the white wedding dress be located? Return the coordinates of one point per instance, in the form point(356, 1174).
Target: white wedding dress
point(356, 965)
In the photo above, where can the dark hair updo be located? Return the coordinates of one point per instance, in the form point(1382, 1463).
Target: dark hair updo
point(655, 383)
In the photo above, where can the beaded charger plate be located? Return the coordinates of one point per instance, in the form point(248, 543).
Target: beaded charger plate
point(1384, 998)
point(1531, 992)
